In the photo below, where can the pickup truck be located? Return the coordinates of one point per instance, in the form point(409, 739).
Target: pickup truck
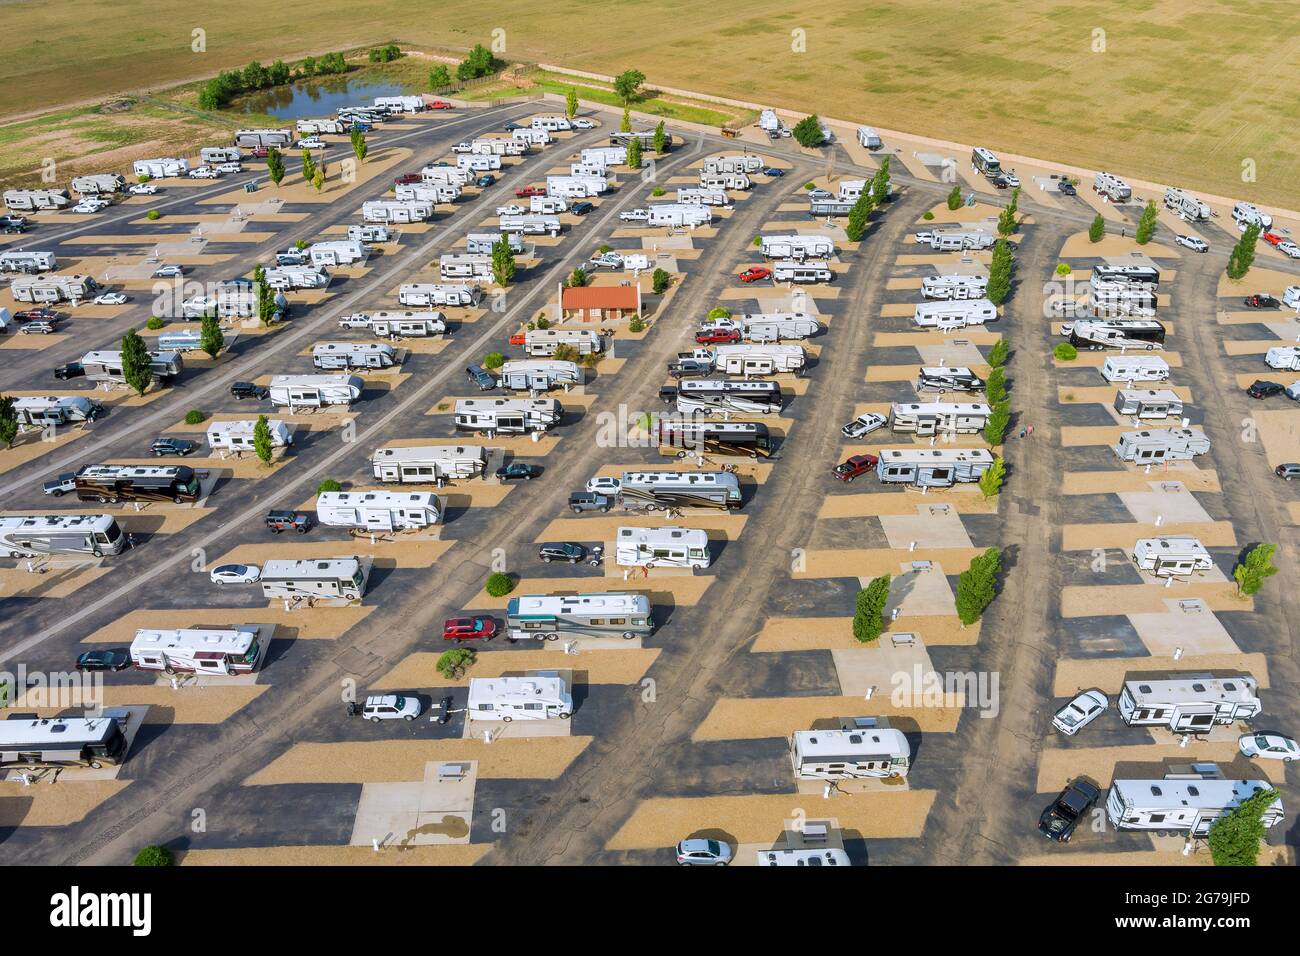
point(687, 367)
point(357, 320)
point(61, 485)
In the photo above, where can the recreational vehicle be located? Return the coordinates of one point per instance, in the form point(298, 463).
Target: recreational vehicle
point(552, 616)
point(710, 180)
point(677, 215)
point(662, 548)
point(1161, 444)
point(719, 438)
point(99, 184)
point(400, 104)
point(536, 697)
point(315, 391)
point(329, 125)
point(646, 136)
point(802, 856)
point(771, 326)
point(434, 192)
point(185, 340)
point(984, 162)
point(1243, 214)
point(802, 272)
point(1135, 368)
point(531, 225)
point(283, 278)
point(851, 189)
point(531, 136)
point(587, 169)
point(114, 483)
point(868, 138)
point(479, 162)
point(312, 578)
point(1189, 703)
point(53, 288)
point(735, 163)
point(830, 207)
point(954, 314)
point(379, 510)
point(552, 124)
point(1284, 357)
point(32, 200)
point(461, 265)
point(42, 411)
point(1149, 403)
point(547, 205)
point(1176, 555)
point(106, 366)
point(224, 154)
point(223, 651)
point(251, 138)
point(240, 435)
point(849, 754)
point(954, 287)
point(606, 156)
point(672, 490)
point(699, 196)
point(539, 375)
point(932, 467)
point(956, 240)
point(939, 418)
point(164, 167)
point(438, 293)
point(706, 396)
point(450, 175)
point(507, 416)
point(338, 252)
point(1120, 299)
point(796, 247)
point(935, 379)
point(1186, 206)
point(1146, 277)
point(28, 262)
point(1183, 804)
point(391, 210)
point(369, 233)
point(402, 324)
point(482, 243)
point(1096, 334)
point(594, 185)
point(751, 359)
point(1112, 187)
point(32, 743)
point(427, 464)
point(542, 342)
point(346, 355)
point(26, 536)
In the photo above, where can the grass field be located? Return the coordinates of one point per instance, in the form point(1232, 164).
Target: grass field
point(1178, 92)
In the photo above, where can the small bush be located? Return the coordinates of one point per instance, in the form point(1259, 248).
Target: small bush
point(719, 313)
point(499, 584)
point(194, 417)
point(661, 280)
point(636, 324)
point(928, 215)
point(494, 360)
point(543, 322)
point(451, 664)
point(605, 247)
point(153, 215)
point(154, 856)
point(154, 323)
point(1063, 269)
point(143, 178)
point(1066, 352)
point(658, 191)
point(809, 185)
point(329, 484)
point(758, 241)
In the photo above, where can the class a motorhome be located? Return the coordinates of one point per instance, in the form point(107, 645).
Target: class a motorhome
point(725, 180)
point(932, 467)
point(26, 536)
point(32, 200)
point(379, 510)
point(434, 192)
point(1248, 214)
point(164, 167)
point(463, 265)
point(438, 293)
point(1177, 555)
point(338, 252)
point(479, 162)
point(850, 754)
point(315, 391)
point(1183, 804)
point(935, 418)
point(396, 211)
point(451, 175)
point(341, 578)
point(552, 124)
point(802, 271)
point(507, 416)
point(734, 163)
point(549, 617)
point(252, 138)
point(954, 314)
point(1095, 334)
point(106, 366)
point(1112, 187)
point(868, 138)
point(1185, 205)
point(222, 651)
point(348, 355)
point(671, 490)
point(535, 697)
point(531, 225)
point(40, 411)
point(1284, 357)
point(1155, 445)
point(482, 243)
point(53, 288)
point(938, 379)
point(955, 240)
point(604, 156)
point(699, 196)
point(796, 247)
point(1111, 299)
point(955, 287)
point(676, 214)
point(427, 464)
point(98, 184)
point(756, 359)
point(1149, 403)
point(28, 262)
point(369, 233)
point(543, 342)
point(402, 324)
point(238, 436)
point(1135, 368)
point(662, 548)
point(539, 375)
point(984, 162)
point(1189, 703)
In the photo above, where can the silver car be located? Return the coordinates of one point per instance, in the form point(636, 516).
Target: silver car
point(701, 852)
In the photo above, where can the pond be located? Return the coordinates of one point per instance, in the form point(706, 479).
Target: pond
point(319, 97)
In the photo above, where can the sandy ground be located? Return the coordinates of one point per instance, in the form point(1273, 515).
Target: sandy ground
point(1098, 763)
point(750, 718)
point(873, 563)
point(1108, 674)
point(192, 704)
point(1085, 537)
point(620, 666)
point(58, 582)
point(447, 854)
point(1148, 598)
point(679, 591)
point(1279, 430)
point(828, 633)
point(1112, 482)
point(1078, 247)
point(321, 623)
point(962, 499)
point(50, 805)
point(29, 447)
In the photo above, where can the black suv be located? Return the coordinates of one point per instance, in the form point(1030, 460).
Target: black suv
point(173, 446)
point(1262, 389)
point(278, 521)
point(561, 551)
point(248, 390)
point(1059, 820)
point(481, 377)
point(71, 370)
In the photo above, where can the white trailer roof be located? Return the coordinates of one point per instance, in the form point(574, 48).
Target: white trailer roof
point(1192, 689)
point(935, 456)
point(416, 453)
point(1170, 548)
point(234, 640)
point(651, 537)
point(833, 744)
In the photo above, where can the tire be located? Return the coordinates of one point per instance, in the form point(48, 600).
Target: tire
point(59, 493)
point(178, 499)
point(565, 716)
point(577, 511)
point(546, 559)
point(552, 637)
point(302, 529)
point(628, 635)
point(409, 717)
point(573, 560)
point(94, 765)
point(373, 720)
point(506, 719)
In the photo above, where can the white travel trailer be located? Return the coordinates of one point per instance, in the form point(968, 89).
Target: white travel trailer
point(531, 225)
point(330, 578)
point(586, 169)
point(936, 418)
point(438, 293)
point(369, 233)
point(955, 287)
point(463, 265)
point(164, 167)
point(282, 278)
point(954, 240)
point(850, 754)
point(26, 536)
point(315, 391)
point(434, 192)
point(28, 262)
point(576, 187)
point(253, 138)
point(542, 696)
point(405, 324)
point(498, 146)
point(221, 154)
point(36, 411)
point(100, 184)
point(338, 252)
point(769, 121)
point(1176, 555)
point(752, 359)
point(1135, 368)
point(868, 138)
point(1189, 703)
point(552, 124)
point(710, 180)
point(400, 104)
point(548, 205)
point(1186, 206)
point(851, 189)
point(954, 314)
point(451, 175)
point(734, 163)
point(482, 243)
point(311, 127)
point(221, 651)
point(53, 288)
point(379, 510)
point(539, 375)
point(802, 856)
point(392, 210)
point(1248, 214)
point(347, 355)
point(678, 214)
point(1183, 804)
point(32, 200)
point(698, 196)
point(770, 326)
point(932, 467)
point(1284, 357)
point(1112, 187)
point(662, 548)
point(507, 416)
point(1161, 444)
point(427, 464)
point(802, 272)
point(186, 340)
point(479, 162)
point(542, 342)
point(238, 435)
point(532, 136)
point(796, 247)
point(1149, 403)
point(604, 156)
point(936, 379)
point(106, 366)
point(1147, 334)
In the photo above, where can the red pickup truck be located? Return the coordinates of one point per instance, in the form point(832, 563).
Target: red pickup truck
point(716, 336)
point(407, 179)
point(527, 191)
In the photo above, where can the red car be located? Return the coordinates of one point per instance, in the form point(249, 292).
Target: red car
point(755, 274)
point(261, 152)
point(469, 629)
point(715, 336)
point(530, 191)
point(519, 338)
point(438, 105)
point(1272, 238)
point(855, 466)
point(407, 179)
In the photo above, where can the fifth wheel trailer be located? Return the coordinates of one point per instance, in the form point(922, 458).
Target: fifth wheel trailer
point(106, 366)
point(1189, 703)
point(1284, 357)
point(98, 184)
point(386, 211)
point(1112, 187)
point(932, 467)
point(164, 167)
point(1155, 445)
point(1135, 368)
point(427, 464)
point(41, 411)
point(802, 271)
point(954, 287)
point(543, 342)
point(379, 510)
point(1175, 555)
point(736, 163)
point(53, 288)
point(766, 359)
point(462, 265)
point(398, 324)
point(937, 379)
point(507, 416)
point(30, 200)
point(348, 355)
point(1149, 403)
point(27, 262)
point(240, 435)
point(1183, 804)
point(315, 391)
point(934, 418)
point(253, 138)
point(539, 375)
point(954, 315)
point(796, 247)
point(338, 252)
point(1186, 206)
point(438, 293)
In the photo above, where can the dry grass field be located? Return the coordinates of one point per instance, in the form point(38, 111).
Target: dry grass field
point(1158, 89)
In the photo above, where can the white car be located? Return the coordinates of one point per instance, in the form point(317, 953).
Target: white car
point(110, 298)
point(1080, 712)
point(230, 167)
point(634, 215)
point(513, 209)
point(1193, 242)
point(203, 172)
point(1012, 179)
point(863, 425)
point(580, 123)
point(235, 574)
point(1289, 249)
point(1268, 746)
point(923, 238)
point(311, 143)
point(142, 189)
point(462, 148)
point(604, 486)
point(91, 205)
point(390, 707)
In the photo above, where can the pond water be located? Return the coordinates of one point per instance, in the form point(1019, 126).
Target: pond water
point(318, 97)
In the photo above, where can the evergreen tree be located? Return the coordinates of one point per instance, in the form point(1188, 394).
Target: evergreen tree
point(275, 165)
point(999, 353)
point(808, 132)
point(359, 145)
point(1098, 229)
point(634, 153)
point(1235, 837)
point(661, 138)
point(136, 362)
point(860, 216)
point(869, 616)
point(995, 389)
point(571, 103)
point(503, 262)
point(880, 183)
point(308, 166)
point(439, 77)
point(999, 286)
point(262, 439)
point(995, 428)
point(954, 198)
point(211, 338)
point(1146, 227)
point(977, 585)
point(1242, 256)
point(8, 421)
point(626, 125)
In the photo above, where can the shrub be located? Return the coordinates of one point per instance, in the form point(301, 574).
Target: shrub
point(451, 664)
point(1063, 269)
point(1065, 352)
point(153, 215)
point(999, 353)
point(758, 242)
point(660, 281)
point(194, 417)
point(329, 484)
point(928, 215)
point(719, 313)
point(636, 324)
point(954, 198)
point(143, 178)
point(1257, 565)
point(810, 185)
point(494, 360)
point(543, 322)
point(499, 584)
point(658, 191)
point(605, 247)
point(154, 856)
point(154, 323)
point(1097, 228)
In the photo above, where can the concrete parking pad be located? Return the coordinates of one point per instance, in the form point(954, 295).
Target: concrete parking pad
point(928, 528)
point(752, 718)
point(924, 592)
point(1197, 632)
point(317, 623)
point(1168, 504)
point(1109, 673)
point(435, 810)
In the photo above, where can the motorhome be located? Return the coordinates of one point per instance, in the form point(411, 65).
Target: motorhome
point(1135, 368)
point(955, 287)
point(802, 856)
point(251, 138)
point(535, 697)
point(164, 167)
point(482, 243)
point(479, 162)
point(28, 262)
point(1112, 187)
point(868, 138)
point(435, 192)
point(850, 754)
point(754, 359)
point(438, 293)
point(241, 435)
point(329, 125)
point(427, 464)
point(507, 416)
point(31, 743)
point(1248, 214)
point(1144, 277)
point(1155, 445)
point(1283, 357)
point(552, 124)
point(313, 578)
point(539, 375)
point(1189, 703)
point(725, 180)
point(1183, 804)
point(106, 366)
point(796, 247)
point(768, 121)
point(282, 278)
point(396, 211)
point(451, 175)
point(605, 155)
point(347, 355)
point(553, 616)
point(379, 510)
point(1187, 207)
point(369, 233)
point(1110, 299)
point(662, 548)
point(954, 314)
point(338, 252)
point(1175, 555)
point(698, 196)
point(315, 391)
point(400, 104)
point(32, 200)
point(673, 490)
point(543, 342)
point(54, 288)
point(802, 272)
point(1149, 403)
point(531, 225)
point(646, 136)
point(1094, 334)
point(734, 163)
point(394, 325)
point(678, 215)
point(834, 206)
point(939, 418)
point(460, 265)
point(26, 536)
point(221, 651)
point(932, 467)
point(101, 184)
point(680, 437)
point(984, 162)
point(936, 379)
point(706, 396)
point(185, 340)
point(42, 411)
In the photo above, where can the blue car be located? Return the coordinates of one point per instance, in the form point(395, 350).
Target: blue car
point(773, 171)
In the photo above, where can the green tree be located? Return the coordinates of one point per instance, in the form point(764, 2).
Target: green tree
point(1007, 218)
point(480, 62)
point(808, 132)
point(493, 360)
point(453, 663)
point(499, 584)
point(359, 145)
point(660, 280)
point(262, 439)
point(571, 103)
point(660, 141)
point(718, 312)
point(991, 481)
point(578, 278)
point(1254, 568)
point(153, 856)
point(211, 338)
point(880, 183)
point(1242, 256)
point(626, 125)
point(318, 176)
point(999, 286)
point(8, 421)
point(1065, 352)
point(977, 585)
point(1097, 230)
point(328, 485)
point(860, 216)
point(996, 426)
point(264, 295)
point(1235, 837)
point(136, 362)
point(999, 353)
point(628, 84)
point(280, 73)
point(634, 153)
point(503, 262)
point(869, 614)
point(308, 166)
point(439, 77)
point(954, 198)
point(995, 387)
point(1146, 227)
point(275, 165)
